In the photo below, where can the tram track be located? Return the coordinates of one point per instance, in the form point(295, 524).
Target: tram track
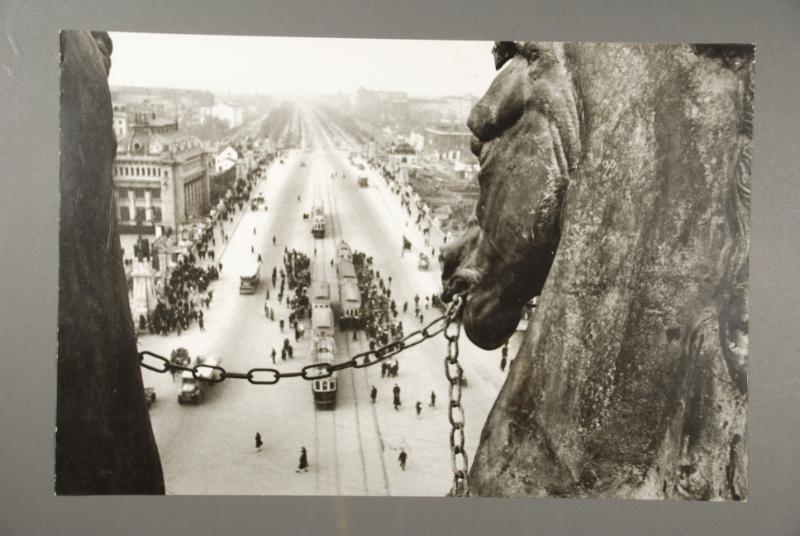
point(326, 440)
point(336, 230)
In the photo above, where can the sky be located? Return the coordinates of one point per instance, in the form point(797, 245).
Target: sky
point(299, 65)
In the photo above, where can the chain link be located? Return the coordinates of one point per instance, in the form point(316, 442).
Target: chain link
point(449, 324)
point(455, 411)
point(315, 371)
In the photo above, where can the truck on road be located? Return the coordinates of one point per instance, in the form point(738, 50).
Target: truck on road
point(191, 387)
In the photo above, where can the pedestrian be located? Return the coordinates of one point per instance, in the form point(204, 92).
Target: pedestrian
point(258, 442)
point(273, 354)
point(252, 249)
point(419, 407)
point(303, 466)
point(254, 231)
point(373, 393)
point(274, 240)
point(259, 257)
point(283, 354)
point(281, 323)
point(396, 393)
point(200, 323)
point(433, 400)
point(402, 459)
point(272, 314)
point(503, 362)
point(290, 350)
point(355, 335)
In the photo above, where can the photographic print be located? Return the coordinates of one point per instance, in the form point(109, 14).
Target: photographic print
point(380, 267)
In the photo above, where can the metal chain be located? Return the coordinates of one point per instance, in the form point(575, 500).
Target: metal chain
point(315, 371)
point(455, 411)
point(449, 324)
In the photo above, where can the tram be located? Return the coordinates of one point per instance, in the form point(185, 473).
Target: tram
point(346, 271)
point(323, 350)
point(350, 304)
point(320, 294)
point(318, 222)
point(343, 252)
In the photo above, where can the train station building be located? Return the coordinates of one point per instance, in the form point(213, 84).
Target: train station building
point(161, 176)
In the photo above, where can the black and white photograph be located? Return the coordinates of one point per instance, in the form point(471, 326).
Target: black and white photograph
point(334, 266)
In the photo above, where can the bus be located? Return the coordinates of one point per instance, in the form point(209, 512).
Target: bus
point(248, 280)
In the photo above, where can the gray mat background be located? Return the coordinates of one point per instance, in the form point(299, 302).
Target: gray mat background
point(29, 259)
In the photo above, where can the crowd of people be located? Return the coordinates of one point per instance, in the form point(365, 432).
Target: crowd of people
point(186, 294)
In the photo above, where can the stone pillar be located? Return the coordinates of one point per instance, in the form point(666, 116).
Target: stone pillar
point(148, 208)
point(104, 440)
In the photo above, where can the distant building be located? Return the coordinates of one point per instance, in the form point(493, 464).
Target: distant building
point(120, 121)
point(229, 112)
point(161, 177)
point(449, 143)
point(401, 157)
point(225, 159)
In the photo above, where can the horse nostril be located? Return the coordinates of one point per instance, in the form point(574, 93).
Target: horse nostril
point(475, 146)
point(456, 285)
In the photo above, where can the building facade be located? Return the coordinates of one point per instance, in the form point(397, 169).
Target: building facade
point(228, 112)
point(161, 177)
point(449, 144)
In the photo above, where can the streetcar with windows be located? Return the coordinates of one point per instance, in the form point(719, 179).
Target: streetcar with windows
point(320, 294)
point(323, 350)
point(346, 272)
point(343, 252)
point(318, 222)
point(350, 304)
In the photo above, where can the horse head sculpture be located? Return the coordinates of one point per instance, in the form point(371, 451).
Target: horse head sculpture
point(527, 139)
point(614, 184)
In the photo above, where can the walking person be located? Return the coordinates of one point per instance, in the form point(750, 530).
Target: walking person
point(396, 393)
point(373, 393)
point(419, 407)
point(259, 443)
point(402, 459)
point(303, 465)
point(273, 354)
point(433, 400)
point(200, 323)
point(503, 362)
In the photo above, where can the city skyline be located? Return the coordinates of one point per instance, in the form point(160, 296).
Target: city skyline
point(332, 65)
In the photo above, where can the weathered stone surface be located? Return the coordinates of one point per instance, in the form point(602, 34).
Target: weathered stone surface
point(104, 442)
point(615, 181)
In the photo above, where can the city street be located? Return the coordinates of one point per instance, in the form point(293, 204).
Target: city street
point(353, 450)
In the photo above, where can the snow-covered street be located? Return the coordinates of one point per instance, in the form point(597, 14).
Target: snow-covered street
point(353, 450)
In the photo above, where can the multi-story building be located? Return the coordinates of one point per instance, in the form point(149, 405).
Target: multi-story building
point(161, 177)
point(228, 112)
point(226, 159)
point(449, 143)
